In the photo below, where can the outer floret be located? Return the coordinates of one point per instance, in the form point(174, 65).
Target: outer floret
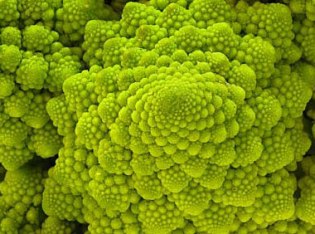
point(72, 167)
point(60, 114)
point(305, 204)
point(6, 85)
point(105, 221)
point(174, 17)
point(108, 109)
point(9, 13)
point(32, 71)
point(36, 115)
point(134, 15)
point(296, 226)
point(43, 10)
point(11, 36)
point(10, 58)
point(218, 218)
point(220, 37)
point(13, 132)
point(292, 92)
point(260, 57)
point(303, 7)
point(45, 141)
point(17, 104)
point(53, 225)
point(79, 91)
point(248, 147)
point(90, 129)
point(62, 65)
point(13, 157)
point(58, 201)
point(239, 187)
point(95, 34)
point(112, 192)
point(208, 12)
point(148, 187)
point(21, 198)
point(278, 151)
point(38, 38)
point(148, 35)
point(161, 223)
point(82, 11)
point(274, 199)
point(114, 158)
point(272, 22)
point(192, 200)
point(305, 36)
point(267, 110)
point(106, 82)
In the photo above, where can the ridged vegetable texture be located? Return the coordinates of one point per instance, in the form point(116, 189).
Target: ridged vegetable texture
point(157, 117)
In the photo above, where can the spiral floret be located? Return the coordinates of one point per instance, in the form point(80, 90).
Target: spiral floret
point(58, 201)
point(38, 38)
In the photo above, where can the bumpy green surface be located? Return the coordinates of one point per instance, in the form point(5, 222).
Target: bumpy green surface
point(188, 115)
point(159, 117)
